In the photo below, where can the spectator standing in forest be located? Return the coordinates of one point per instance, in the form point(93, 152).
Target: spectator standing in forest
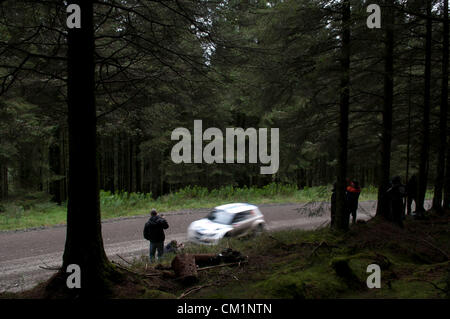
point(154, 232)
point(395, 196)
point(411, 193)
point(352, 194)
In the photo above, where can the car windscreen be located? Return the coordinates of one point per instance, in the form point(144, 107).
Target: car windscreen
point(220, 216)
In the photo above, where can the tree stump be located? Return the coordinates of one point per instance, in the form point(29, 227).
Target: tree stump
point(185, 268)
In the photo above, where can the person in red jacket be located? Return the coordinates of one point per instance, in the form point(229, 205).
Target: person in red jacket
point(353, 191)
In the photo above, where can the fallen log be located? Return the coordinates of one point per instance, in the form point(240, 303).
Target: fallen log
point(206, 260)
point(222, 265)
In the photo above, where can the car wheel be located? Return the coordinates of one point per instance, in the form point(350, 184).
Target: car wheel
point(259, 229)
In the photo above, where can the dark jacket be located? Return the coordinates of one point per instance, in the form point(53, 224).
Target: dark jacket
point(352, 196)
point(156, 226)
point(411, 187)
point(396, 194)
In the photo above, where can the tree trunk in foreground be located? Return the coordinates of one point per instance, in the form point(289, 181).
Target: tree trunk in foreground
point(425, 145)
point(84, 243)
point(440, 170)
point(385, 167)
point(342, 217)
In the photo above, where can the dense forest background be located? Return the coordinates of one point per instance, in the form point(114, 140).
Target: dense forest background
point(83, 109)
point(162, 64)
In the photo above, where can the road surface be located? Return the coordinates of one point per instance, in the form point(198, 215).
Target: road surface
point(23, 253)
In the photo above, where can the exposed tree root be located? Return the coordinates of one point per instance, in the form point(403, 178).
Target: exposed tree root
point(193, 289)
point(134, 272)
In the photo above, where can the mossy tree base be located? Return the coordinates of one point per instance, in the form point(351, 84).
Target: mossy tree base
point(100, 284)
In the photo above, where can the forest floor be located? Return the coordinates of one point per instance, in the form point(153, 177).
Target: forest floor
point(414, 263)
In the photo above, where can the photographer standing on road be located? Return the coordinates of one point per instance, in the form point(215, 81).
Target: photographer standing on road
point(154, 232)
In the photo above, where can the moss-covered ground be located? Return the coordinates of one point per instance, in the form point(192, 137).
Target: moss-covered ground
point(414, 263)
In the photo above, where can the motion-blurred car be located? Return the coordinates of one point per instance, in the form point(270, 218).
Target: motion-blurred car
point(231, 220)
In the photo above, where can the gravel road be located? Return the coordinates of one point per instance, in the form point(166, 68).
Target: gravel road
point(23, 253)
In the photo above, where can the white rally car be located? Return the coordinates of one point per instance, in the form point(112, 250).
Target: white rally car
point(231, 220)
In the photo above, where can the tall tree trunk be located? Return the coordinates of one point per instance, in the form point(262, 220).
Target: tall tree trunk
point(84, 243)
point(100, 166)
point(138, 170)
point(116, 164)
point(64, 160)
point(408, 142)
point(111, 164)
point(342, 217)
point(28, 180)
point(425, 145)
point(440, 169)
point(385, 167)
point(161, 174)
point(3, 181)
point(124, 164)
point(131, 166)
point(55, 167)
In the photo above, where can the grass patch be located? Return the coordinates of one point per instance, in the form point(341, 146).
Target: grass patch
point(36, 210)
point(294, 264)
